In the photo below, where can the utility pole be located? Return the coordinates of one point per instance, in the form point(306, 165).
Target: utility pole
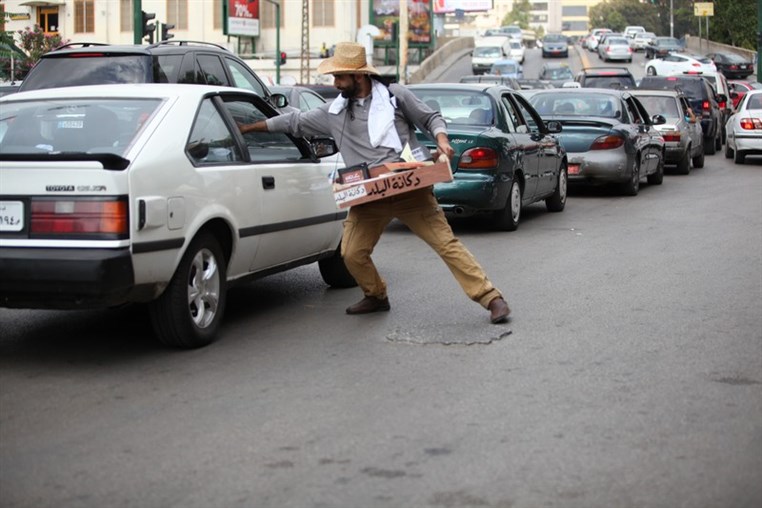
point(402, 35)
point(304, 70)
point(137, 21)
point(759, 40)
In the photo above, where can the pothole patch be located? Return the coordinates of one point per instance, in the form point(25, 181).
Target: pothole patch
point(449, 335)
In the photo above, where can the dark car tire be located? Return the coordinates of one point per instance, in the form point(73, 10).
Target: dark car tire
point(698, 161)
point(557, 201)
point(740, 157)
point(709, 146)
point(632, 186)
point(718, 143)
point(684, 164)
point(188, 314)
point(657, 178)
point(508, 218)
point(728, 151)
point(334, 271)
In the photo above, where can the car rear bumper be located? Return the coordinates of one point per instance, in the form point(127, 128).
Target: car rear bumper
point(56, 278)
point(469, 194)
point(749, 144)
point(599, 166)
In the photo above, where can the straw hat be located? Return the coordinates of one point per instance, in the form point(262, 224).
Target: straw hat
point(348, 58)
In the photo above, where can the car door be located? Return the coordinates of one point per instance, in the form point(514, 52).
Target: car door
point(299, 217)
point(694, 128)
point(526, 148)
point(549, 156)
point(648, 139)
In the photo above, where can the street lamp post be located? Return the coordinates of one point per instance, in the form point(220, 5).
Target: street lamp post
point(277, 40)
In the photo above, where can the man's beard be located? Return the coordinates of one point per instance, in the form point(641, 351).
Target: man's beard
point(351, 92)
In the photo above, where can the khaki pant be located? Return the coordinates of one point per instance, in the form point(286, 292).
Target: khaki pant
point(419, 211)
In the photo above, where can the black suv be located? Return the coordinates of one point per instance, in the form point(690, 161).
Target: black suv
point(703, 99)
point(85, 63)
point(605, 77)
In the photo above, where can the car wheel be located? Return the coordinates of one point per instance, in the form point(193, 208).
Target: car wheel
point(728, 151)
point(684, 164)
point(508, 218)
point(658, 177)
point(740, 157)
point(557, 201)
point(709, 146)
point(718, 143)
point(698, 161)
point(651, 71)
point(334, 271)
point(188, 314)
point(632, 186)
point(629, 61)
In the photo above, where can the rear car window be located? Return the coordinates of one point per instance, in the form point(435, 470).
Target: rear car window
point(609, 82)
point(656, 104)
point(88, 69)
point(690, 87)
point(73, 125)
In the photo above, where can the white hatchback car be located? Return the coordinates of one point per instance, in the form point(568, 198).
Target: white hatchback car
point(678, 63)
point(744, 128)
point(115, 194)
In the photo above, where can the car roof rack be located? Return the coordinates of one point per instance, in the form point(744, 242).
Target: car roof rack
point(187, 43)
point(605, 67)
point(81, 45)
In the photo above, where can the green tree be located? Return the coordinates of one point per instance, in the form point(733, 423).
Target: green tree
point(519, 14)
point(735, 23)
point(32, 43)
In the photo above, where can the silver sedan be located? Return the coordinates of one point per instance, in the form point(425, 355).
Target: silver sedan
point(744, 128)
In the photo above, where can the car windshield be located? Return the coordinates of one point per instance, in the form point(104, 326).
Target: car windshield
point(73, 125)
point(575, 104)
point(558, 73)
point(58, 72)
point(733, 58)
point(660, 105)
point(515, 45)
point(554, 38)
point(668, 41)
point(617, 41)
point(459, 107)
point(488, 51)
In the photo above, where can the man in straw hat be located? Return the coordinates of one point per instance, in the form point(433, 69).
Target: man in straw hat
point(371, 123)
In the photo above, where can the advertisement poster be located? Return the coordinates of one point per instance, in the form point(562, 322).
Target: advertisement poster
point(243, 17)
point(387, 12)
point(447, 6)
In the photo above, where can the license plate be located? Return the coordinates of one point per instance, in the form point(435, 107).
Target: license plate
point(11, 215)
point(573, 169)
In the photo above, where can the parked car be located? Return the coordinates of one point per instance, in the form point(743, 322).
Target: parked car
point(299, 97)
point(328, 92)
point(556, 73)
point(677, 63)
point(487, 51)
point(641, 40)
point(615, 48)
point(733, 66)
point(744, 128)
point(659, 47)
point(508, 81)
point(703, 99)
point(518, 51)
point(505, 158)
point(608, 135)
point(738, 88)
point(683, 137)
point(605, 77)
point(507, 67)
point(173, 61)
point(555, 45)
point(149, 193)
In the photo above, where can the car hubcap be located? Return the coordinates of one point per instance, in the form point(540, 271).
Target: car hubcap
point(203, 288)
point(515, 202)
point(562, 186)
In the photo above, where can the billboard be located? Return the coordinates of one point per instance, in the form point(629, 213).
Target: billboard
point(446, 6)
point(385, 13)
point(243, 17)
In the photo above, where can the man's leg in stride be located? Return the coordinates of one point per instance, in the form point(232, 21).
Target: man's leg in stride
point(362, 230)
point(422, 214)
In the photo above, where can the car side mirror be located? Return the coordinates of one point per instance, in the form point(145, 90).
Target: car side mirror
point(323, 146)
point(278, 100)
point(554, 126)
point(658, 120)
point(722, 97)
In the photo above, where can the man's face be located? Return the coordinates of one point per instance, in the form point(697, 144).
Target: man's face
point(347, 84)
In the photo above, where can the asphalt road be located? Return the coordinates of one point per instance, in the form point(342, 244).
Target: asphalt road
point(630, 375)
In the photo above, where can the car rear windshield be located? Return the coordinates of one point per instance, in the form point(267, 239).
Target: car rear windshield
point(660, 105)
point(609, 82)
point(459, 107)
point(88, 69)
point(693, 88)
point(575, 104)
point(73, 125)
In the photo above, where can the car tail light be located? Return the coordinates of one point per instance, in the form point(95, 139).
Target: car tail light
point(733, 67)
point(749, 124)
point(478, 158)
point(722, 104)
point(607, 143)
point(696, 64)
point(671, 136)
point(705, 105)
point(82, 217)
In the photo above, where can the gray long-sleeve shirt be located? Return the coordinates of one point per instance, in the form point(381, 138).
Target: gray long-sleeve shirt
point(351, 130)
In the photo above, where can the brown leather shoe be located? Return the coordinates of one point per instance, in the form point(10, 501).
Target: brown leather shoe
point(498, 310)
point(369, 304)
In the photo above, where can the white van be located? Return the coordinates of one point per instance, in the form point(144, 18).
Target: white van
point(631, 31)
point(487, 51)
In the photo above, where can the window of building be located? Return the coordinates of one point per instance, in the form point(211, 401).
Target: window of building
point(126, 15)
point(84, 16)
point(267, 15)
point(539, 18)
point(540, 6)
point(577, 26)
point(47, 18)
point(574, 10)
point(177, 14)
point(322, 12)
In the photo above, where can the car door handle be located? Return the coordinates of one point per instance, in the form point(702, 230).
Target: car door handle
point(268, 182)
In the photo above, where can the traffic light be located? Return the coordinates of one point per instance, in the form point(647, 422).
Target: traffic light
point(165, 28)
point(282, 57)
point(147, 29)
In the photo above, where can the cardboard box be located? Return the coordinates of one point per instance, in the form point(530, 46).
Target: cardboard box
point(392, 179)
